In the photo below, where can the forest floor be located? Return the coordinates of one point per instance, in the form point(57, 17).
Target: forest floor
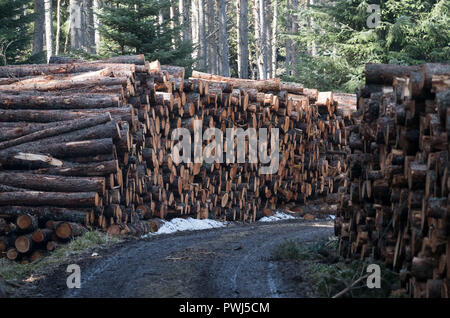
point(235, 261)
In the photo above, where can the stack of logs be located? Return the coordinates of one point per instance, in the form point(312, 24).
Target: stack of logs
point(88, 144)
point(395, 208)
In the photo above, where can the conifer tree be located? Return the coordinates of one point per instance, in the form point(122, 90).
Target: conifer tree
point(14, 31)
point(133, 27)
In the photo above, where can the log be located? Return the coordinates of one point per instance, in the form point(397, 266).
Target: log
point(59, 199)
point(8, 100)
point(273, 84)
point(69, 126)
point(26, 222)
point(42, 235)
point(95, 169)
point(24, 243)
point(45, 213)
point(383, 74)
point(52, 183)
point(66, 230)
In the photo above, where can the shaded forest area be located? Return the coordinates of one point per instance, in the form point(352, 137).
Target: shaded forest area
point(322, 44)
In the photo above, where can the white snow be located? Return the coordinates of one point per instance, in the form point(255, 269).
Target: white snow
point(189, 224)
point(276, 217)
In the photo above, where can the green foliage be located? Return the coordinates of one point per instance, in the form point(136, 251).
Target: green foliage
point(133, 27)
point(14, 31)
point(410, 32)
point(329, 274)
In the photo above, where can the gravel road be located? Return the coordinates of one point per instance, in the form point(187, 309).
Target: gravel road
point(225, 262)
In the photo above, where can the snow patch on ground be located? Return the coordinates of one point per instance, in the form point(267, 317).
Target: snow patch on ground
point(189, 224)
point(278, 216)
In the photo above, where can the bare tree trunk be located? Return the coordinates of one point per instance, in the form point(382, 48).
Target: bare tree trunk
point(294, 31)
point(76, 27)
point(182, 19)
point(38, 41)
point(48, 29)
point(172, 21)
point(212, 42)
point(262, 41)
point(257, 33)
point(202, 35)
point(260, 37)
point(97, 37)
point(312, 25)
point(268, 55)
point(89, 26)
point(242, 31)
point(223, 38)
point(195, 29)
point(274, 38)
point(58, 25)
point(288, 41)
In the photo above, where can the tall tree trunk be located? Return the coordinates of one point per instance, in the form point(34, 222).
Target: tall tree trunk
point(257, 33)
point(223, 38)
point(242, 31)
point(76, 24)
point(97, 37)
point(311, 26)
point(182, 19)
point(268, 55)
point(274, 38)
point(294, 31)
point(262, 41)
point(212, 43)
point(38, 40)
point(89, 27)
point(48, 29)
point(195, 28)
point(58, 25)
point(288, 41)
point(202, 35)
point(172, 21)
point(160, 18)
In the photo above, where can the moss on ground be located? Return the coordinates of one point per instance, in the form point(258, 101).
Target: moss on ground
point(13, 271)
point(330, 274)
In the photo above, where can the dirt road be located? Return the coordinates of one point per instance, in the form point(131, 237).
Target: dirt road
point(226, 262)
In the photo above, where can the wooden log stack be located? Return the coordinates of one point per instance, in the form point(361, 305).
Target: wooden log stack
point(396, 205)
point(89, 144)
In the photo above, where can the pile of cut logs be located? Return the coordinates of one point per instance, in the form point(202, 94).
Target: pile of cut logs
point(88, 144)
point(396, 208)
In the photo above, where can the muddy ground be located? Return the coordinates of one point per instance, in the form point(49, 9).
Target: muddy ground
point(227, 262)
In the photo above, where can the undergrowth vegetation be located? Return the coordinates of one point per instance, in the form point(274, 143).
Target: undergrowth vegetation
point(330, 274)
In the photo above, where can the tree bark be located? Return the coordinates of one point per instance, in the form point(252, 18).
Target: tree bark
point(58, 26)
point(294, 31)
point(223, 38)
point(89, 31)
point(212, 36)
point(203, 48)
point(274, 38)
point(97, 38)
point(262, 41)
point(73, 125)
point(76, 24)
point(242, 31)
point(36, 198)
point(48, 29)
point(39, 29)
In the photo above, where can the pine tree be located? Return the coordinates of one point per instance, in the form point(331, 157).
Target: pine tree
point(410, 32)
point(133, 27)
point(14, 31)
